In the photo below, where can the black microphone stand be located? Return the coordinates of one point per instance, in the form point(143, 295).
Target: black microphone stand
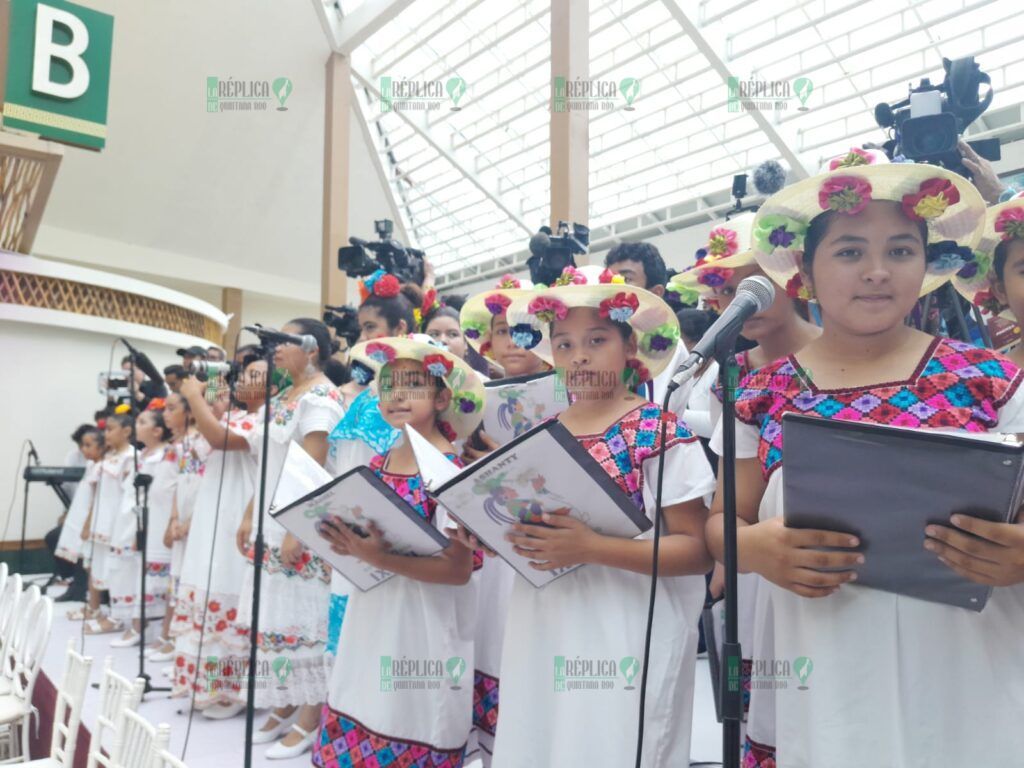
point(730, 683)
point(257, 562)
point(141, 482)
point(24, 510)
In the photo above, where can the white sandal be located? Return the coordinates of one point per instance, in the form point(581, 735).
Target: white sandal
point(280, 752)
point(93, 626)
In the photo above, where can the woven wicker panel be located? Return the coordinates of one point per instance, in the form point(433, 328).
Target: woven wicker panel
point(81, 298)
point(19, 180)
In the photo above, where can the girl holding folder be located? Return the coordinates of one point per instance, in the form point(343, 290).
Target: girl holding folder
point(607, 338)
point(424, 616)
point(866, 239)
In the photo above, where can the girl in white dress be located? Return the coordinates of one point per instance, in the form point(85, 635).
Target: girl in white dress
point(295, 586)
point(892, 675)
point(100, 524)
point(609, 338)
point(157, 459)
point(425, 612)
point(69, 545)
point(210, 653)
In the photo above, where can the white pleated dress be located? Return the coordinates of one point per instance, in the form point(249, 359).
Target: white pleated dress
point(70, 546)
point(896, 682)
point(106, 511)
point(570, 670)
point(294, 602)
point(212, 573)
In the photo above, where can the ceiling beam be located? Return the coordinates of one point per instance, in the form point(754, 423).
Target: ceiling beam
point(797, 170)
point(450, 157)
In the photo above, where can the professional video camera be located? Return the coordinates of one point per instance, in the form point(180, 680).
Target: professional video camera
point(551, 253)
point(363, 258)
point(345, 322)
point(927, 125)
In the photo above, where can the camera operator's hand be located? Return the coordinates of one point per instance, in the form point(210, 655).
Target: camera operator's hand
point(982, 173)
point(192, 388)
point(428, 274)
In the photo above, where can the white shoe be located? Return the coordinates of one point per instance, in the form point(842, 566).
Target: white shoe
point(158, 655)
point(133, 639)
point(223, 711)
point(280, 752)
point(160, 643)
point(265, 737)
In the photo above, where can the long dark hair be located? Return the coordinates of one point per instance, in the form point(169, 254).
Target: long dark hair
point(395, 309)
point(326, 346)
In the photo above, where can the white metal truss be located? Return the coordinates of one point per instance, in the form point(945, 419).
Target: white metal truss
point(471, 184)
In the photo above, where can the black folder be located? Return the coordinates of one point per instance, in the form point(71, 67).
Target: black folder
point(884, 484)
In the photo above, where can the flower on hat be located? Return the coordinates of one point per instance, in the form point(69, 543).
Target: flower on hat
point(547, 309)
point(851, 159)
point(931, 200)
point(361, 373)
point(380, 353)
point(620, 307)
point(714, 277)
point(778, 231)
point(430, 301)
point(497, 303)
point(525, 335)
point(447, 430)
point(978, 267)
point(437, 365)
point(367, 283)
point(660, 339)
point(507, 281)
point(1010, 223)
point(845, 194)
point(387, 287)
point(473, 329)
point(417, 317)
point(607, 276)
point(123, 408)
point(571, 276)
point(796, 289)
point(686, 294)
point(467, 402)
point(722, 242)
point(156, 404)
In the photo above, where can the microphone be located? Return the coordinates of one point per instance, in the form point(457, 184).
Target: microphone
point(753, 295)
point(32, 454)
point(307, 342)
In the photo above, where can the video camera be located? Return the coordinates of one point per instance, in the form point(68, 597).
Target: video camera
point(363, 258)
point(551, 253)
point(345, 322)
point(928, 124)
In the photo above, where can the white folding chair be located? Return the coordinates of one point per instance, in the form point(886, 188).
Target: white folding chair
point(4, 572)
point(16, 710)
point(10, 604)
point(139, 743)
point(116, 693)
point(67, 714)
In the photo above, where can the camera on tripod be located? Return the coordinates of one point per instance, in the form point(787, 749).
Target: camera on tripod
point(345, 322)
point(551, 253)
point(363, 257)
point(928, 124)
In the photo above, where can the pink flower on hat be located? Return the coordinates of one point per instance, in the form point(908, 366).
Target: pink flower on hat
point(497, 303)
point(845, 194)
point(607, 276)
point(722, 242)
point(547, 309)
point(1010, 223)
point(931, 200)
point(508, 281)
point(571, 276)
point(851, 159)
point(796, 289)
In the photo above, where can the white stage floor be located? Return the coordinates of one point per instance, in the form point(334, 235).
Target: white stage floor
point(221, 744)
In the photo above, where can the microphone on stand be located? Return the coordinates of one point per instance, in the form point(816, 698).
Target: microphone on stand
point(307, 342)
point(753, 295)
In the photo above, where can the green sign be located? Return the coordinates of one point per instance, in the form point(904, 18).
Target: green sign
point(58, 71)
